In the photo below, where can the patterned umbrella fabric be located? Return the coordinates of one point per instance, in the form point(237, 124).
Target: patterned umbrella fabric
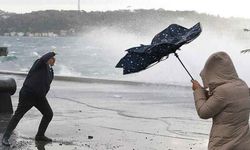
point(163, 44)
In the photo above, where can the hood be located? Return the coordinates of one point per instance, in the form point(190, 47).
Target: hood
point(219, 69)
point(48, 55)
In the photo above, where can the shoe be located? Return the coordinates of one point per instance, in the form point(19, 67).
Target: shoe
point(5, 141)
point(41, 144)
point(43, 138)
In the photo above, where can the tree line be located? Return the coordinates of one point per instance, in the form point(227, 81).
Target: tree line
point(138, 21)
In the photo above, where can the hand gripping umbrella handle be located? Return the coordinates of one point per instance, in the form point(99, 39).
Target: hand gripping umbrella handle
point(176, 55)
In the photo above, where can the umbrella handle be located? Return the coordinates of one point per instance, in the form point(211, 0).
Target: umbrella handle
point(176, 55)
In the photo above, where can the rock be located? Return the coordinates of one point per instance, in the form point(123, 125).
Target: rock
point(3, 51)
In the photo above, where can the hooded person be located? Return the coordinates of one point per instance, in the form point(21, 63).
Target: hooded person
point(227, 102)
point(33, 93)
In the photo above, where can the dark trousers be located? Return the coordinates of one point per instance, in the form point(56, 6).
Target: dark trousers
point(26, 101)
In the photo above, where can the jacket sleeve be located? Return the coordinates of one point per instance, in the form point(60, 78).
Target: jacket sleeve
point(42, 61)
point(208, 107)
point(47, 56)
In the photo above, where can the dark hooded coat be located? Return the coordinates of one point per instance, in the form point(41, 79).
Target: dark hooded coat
point(40, 76)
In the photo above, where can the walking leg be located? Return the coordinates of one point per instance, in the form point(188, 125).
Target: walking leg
point(44, 107)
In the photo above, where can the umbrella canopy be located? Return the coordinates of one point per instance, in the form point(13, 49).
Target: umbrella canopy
point(163, 44)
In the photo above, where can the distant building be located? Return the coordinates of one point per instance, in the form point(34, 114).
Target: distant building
point(37, 34)
point(52, 34)
point(44, 34)
point(20, 34)
point(6, 34)
point(12, 33)
point(63, 33)
point(29, 34)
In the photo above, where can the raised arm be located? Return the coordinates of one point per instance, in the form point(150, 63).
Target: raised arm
point(42, 61)
point(209, 107)
point(46, 57)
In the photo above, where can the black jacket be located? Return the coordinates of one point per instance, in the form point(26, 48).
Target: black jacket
point(40, 76)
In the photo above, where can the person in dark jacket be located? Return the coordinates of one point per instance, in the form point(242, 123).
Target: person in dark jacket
point(33, 93)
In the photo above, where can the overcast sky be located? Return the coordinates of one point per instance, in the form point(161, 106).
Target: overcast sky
point(225, 8)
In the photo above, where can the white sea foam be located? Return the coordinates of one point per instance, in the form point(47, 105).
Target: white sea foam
point(95, 54)
point(36, 54)
point(66, 71)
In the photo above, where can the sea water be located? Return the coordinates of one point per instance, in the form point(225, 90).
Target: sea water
point(95, 54)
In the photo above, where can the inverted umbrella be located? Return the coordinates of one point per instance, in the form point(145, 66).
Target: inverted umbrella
point(164, 43)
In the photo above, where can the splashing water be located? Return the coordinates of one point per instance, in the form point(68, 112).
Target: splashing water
point(95, 54)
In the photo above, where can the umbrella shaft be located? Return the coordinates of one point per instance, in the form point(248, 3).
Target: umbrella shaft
point(176, 55)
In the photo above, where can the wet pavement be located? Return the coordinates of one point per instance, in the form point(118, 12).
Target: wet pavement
point(102, 116)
